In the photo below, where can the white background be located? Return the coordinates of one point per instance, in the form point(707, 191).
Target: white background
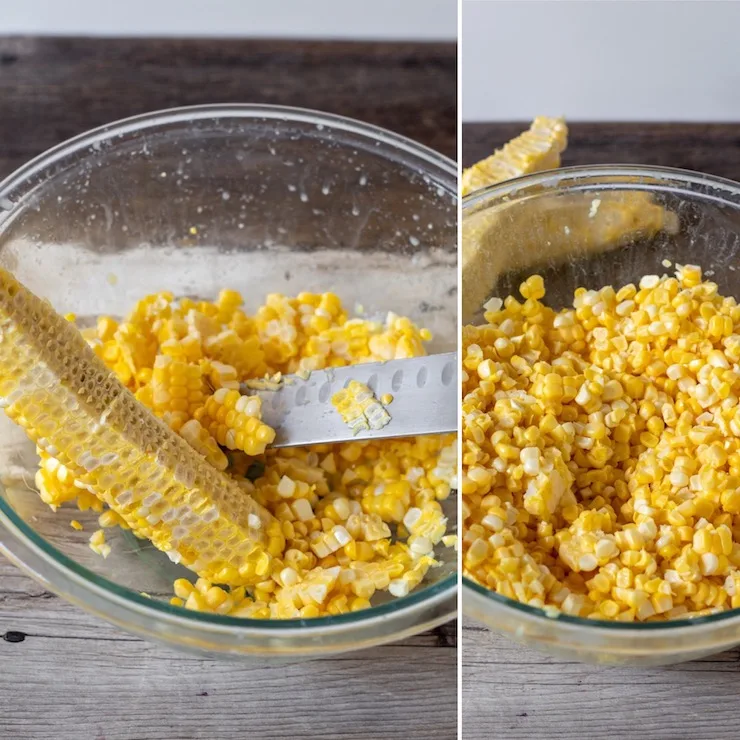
point(586, 59)
point(350, 19)
point(601, 60)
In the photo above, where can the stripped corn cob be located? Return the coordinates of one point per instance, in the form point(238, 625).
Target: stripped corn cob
point(537, 149)
point(507, 237)
point(78, 411)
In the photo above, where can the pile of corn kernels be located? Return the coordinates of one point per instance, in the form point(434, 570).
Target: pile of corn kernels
point(357, 518)
point(601, 450)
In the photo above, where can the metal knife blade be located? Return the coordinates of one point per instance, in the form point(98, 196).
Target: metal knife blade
point(424, 391)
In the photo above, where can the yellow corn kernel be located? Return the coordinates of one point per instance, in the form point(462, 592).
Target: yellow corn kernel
point(245, 355)
point(203, 443)
point(234, 421)
point(176, 386)
point(533, 287)
point(98, 544)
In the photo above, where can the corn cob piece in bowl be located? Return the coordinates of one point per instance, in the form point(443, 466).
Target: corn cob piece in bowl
point(537, 149)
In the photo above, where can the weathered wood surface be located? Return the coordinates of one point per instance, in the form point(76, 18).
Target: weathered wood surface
point(514, 692)
point(65, 675)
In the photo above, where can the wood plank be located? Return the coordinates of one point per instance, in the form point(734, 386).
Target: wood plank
point(64, 669)
point(510, 691)
point(69, 676)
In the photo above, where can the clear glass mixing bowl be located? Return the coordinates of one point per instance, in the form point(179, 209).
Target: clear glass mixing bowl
point(596, 226)
point(260, 199)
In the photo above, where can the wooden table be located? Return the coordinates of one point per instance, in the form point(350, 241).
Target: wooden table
point(512, 692)
point(69, 676)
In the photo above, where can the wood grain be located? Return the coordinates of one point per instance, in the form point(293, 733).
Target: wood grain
point(69, 676)
point(63, 669)
point(513, 692)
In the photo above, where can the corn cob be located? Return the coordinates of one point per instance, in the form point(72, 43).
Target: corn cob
point(510, 238)
point(535, 150)
point(77, 410)
point(496, 240)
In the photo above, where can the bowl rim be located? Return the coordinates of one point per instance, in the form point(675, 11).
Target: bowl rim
point(509, 189)
point(215, 111)
point(61, 566)
point(555, 176)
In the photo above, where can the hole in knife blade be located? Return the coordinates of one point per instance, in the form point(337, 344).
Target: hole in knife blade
point(448, 373)
point(397, 380)
point(300, 396)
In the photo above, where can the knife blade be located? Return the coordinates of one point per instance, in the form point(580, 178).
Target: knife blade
point(424, 391)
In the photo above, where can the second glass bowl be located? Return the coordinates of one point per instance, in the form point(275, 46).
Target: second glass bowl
point(591, 227)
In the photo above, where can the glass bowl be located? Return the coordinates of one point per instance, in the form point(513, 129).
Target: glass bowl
point(596, 226)
point(260, 199)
